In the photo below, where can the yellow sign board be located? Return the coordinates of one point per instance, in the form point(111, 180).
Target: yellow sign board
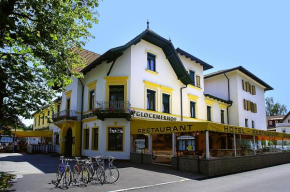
point(162, 127)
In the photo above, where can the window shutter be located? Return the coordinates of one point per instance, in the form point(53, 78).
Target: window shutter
point(252, 107)
point(245, 104)
point(250, 88)
point(243, 85)
point(255, 108)
point(248, 105)
point(198, 81)
point(253, 90)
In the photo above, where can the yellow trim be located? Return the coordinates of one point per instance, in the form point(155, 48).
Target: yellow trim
point(209, 102)
point(223, 106)
point(92, 84)
point(68, 93)
point(92, 141)
point(150, 84)
point(168, 89)
point(84, 138)
point(116, 81)
point(194, 87)
point(193, 97)
point(115, 126)
point(90, 119)
point(152, 52)
point(152, 72)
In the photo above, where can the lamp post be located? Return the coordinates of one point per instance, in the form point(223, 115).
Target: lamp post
point(284, 131)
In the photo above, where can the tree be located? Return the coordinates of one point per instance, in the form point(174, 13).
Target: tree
point(37, 58)
point(273, 109)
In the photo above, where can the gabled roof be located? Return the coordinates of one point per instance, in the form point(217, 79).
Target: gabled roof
point(89, 56)
point(277, 117)
point(193, 58)
point(286, 116)
point(155, 39)
point(217, 98)
point(243, 70)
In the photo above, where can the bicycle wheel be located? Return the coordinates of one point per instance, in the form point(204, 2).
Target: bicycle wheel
point(100, 175)
point(76, 174)
point(85, 175)
point(111, 174)
point(67, 176)
point(58, 176)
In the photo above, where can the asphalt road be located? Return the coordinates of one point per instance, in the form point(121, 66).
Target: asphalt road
point(39, 170)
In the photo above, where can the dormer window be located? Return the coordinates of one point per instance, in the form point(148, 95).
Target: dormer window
point(151, 62)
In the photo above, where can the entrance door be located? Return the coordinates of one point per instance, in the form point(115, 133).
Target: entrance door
point(162, 148)
point(116, 96)
point(68, 142)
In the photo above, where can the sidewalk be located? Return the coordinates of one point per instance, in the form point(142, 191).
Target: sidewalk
point(38, 171)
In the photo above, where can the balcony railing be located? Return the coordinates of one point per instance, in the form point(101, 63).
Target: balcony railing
point(64, 115)
point(111, 109)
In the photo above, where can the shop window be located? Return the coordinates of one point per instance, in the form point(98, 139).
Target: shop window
point(115, 139)
point(246, 123)
point(165, 103)
point(95, 138)
point(86, 138)
point(91, 99)
point(192, 109)
point(222, 116)
point(151, 100)
point(192, 74)
point(151, 59)
point(208, 113)
point(253, 124)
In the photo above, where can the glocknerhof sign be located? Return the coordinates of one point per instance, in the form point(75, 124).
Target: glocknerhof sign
point(154, 116)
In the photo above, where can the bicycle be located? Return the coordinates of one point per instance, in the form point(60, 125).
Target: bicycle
point(81, 172)
point(96, 169)
point(111, 172)
point(63, 174)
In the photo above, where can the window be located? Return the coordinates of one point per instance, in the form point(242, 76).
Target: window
point(47, 116)
point(222, 116)
point(68, 107)
point(115, 140)
point(151, 62)
point(35, 119)
point(57, 139)
point(192, 109)
point(116, 94)
point(288, 120)
point(191, 74)
point(246, 123)
point(208, 113)
point(270, 122)
point(151, 100)
point(58, 108)
point(253, 124)
point(39, 120)
point(42, 119)
point(91, 99)
point(86, 138)
point(198, 81)
point(165, 103)
point(95, 139)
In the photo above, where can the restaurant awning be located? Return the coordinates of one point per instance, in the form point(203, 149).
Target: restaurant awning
point(161, 127)
point(32, 133)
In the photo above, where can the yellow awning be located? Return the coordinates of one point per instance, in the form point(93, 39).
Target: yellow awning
point(161, 127)
point(32, 133)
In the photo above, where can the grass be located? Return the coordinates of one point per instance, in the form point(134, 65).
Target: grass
point(5, 180)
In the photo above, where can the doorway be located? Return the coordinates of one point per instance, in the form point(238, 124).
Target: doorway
point(68, 143)
point(162, 148)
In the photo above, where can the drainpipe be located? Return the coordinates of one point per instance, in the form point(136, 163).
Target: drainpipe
point(82, 106)
point(229, 98)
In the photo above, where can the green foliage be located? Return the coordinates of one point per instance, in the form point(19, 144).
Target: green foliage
point(37, 58)
point(273, 109)
point(5, 179)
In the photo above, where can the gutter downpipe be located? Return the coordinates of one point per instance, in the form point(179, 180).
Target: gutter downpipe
point(82, 106)
point(181, 119)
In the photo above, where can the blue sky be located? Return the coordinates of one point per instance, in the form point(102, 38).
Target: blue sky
point(225, 33)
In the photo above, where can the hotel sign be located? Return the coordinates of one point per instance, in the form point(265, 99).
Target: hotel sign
point(155, 116)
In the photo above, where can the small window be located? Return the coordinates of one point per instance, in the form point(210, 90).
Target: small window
point(246, 123)
point(39, 120)
point(151, 62)
point(209, 113)
point(151, 100)
point(115, 139)
point(222, 116)
point(192, 74)
point(47, 116)
point(42, 119)
point(288, 120)
point(35, 119)
point(165, 103)
point(192, 109)
point(253, 124)
point(95, 139)
point(86, 138)
point(57, 139)
point(91, 99)
point(58, 108)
